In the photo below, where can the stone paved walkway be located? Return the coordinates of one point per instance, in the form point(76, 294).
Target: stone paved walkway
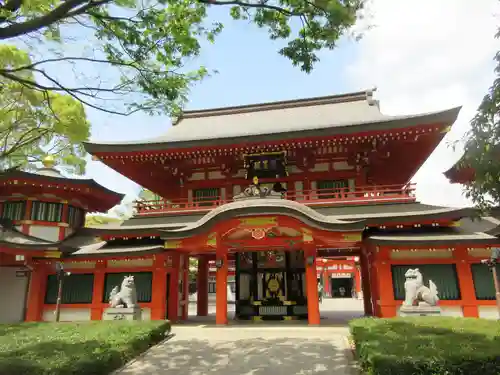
point(280, 348)
point(269, 350)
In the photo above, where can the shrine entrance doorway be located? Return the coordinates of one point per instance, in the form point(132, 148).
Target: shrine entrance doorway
point(270, 285)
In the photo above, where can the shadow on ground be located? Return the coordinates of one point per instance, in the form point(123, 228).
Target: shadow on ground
point(256, 356)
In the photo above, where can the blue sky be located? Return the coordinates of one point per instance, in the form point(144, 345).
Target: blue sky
point(250, 70)
point(418, 54)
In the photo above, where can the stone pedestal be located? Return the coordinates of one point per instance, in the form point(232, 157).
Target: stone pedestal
point(122, 313)
point(421, 310)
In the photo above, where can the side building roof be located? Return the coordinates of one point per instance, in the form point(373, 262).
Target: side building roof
point(291, 119)
point(97, 197)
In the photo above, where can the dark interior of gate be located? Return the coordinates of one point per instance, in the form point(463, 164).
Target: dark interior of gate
point(270, 285)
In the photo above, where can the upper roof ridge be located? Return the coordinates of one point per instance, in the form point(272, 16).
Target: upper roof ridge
point(366, 95)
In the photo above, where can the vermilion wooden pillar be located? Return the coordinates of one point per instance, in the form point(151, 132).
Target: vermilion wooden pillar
point(386, 305)
point(158, 300)
point(365, 281)
point(36, 294)
point(173, 294)
point(311, 285)
point(357, 278)
point(98, 290)
point(466, 284)
point(202, 287)
point(221, 285)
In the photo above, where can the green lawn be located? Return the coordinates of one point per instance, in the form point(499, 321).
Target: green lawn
point(427, 346)
point(90, 348)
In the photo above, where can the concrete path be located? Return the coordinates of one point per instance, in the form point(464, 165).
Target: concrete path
point(279, 348)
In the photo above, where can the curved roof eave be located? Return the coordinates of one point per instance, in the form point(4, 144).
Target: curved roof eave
point(473, 238)
point(448, 116)
point(261, 206)
point(102, 251)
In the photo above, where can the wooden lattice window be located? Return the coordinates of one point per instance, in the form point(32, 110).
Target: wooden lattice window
point(77, 288)
point(206, 197)
point(13, 210)
point(143, 284)
point(483, 281)
point(443, 275)
point(329, 189)
point(44, 211)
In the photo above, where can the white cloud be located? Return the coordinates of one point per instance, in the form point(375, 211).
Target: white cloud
point(427, 55)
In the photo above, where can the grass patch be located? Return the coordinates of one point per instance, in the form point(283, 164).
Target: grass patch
point(91, 348)
point(427, 346)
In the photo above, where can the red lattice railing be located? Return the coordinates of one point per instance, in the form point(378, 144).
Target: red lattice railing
point(313, 197)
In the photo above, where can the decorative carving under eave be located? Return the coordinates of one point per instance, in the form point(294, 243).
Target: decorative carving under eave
point(256, 191)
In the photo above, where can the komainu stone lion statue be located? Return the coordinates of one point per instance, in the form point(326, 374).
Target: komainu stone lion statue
point(125, 296)
point(416, 293)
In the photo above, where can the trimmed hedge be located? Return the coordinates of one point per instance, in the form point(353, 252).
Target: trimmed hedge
point(75, 348)
point(427, 346)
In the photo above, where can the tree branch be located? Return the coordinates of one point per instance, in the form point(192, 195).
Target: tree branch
point(61, 12)
point(244, 4)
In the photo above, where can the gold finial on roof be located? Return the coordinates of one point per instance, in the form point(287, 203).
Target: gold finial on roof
point(48, 161)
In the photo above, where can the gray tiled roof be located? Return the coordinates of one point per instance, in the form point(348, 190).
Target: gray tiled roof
point(330, 115)
point(468, 229)
point(101, 248)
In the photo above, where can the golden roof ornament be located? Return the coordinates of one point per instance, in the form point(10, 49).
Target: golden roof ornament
point(48, 161)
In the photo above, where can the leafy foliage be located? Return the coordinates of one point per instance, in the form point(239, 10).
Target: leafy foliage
point(482, 147)
point(150, 42)
point(427, 345)
point(93, 220)
point(148, 195)
point(75, 348)
point(34, 123)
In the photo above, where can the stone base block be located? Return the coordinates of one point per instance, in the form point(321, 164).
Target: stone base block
point(420, 311)
point(122, 313)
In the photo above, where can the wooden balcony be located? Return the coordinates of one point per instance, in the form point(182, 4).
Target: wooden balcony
point(312, 198)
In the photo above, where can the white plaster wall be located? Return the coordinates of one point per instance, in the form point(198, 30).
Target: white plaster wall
point(294, 169)
point(236, 190)
point(13, 293)
point(351, 184)
point(215, 175)
point(146, 313)
point(488, 312)
point(46, 233)
point(67, 315)
point(197, 176)
point(321, 167)
point(455, 311)
point(342, 166)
